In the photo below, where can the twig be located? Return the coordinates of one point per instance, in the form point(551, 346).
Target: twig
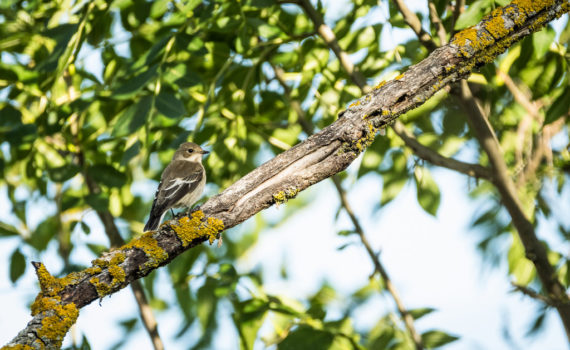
point(457, 11)
point(414, 22)
point(404, 314)
point(531, 293)
point(435, 158)
point(436, 20)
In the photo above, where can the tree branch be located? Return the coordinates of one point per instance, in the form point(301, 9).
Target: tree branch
point(322, 155)
point(534, 249)
point(378, 267)
point(414, 22)
point(404, 314)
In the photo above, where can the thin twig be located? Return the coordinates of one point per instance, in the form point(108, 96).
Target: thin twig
point(404, 313)
point(533, 294)
point(435, 158)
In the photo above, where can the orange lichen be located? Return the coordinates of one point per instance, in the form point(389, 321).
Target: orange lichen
point(188, 229)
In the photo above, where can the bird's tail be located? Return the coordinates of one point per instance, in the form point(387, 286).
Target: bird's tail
point(154, 220)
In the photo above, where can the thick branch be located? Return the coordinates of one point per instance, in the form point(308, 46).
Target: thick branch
point(319, 157)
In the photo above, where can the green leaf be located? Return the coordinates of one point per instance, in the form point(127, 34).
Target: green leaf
point(43, 233)
point(394, 177)
point(519, 266)
point(434, 339)
point(133, 117)
point(308, 338)
point(133, 85)
point(541, 41)
point(207, 303)
point(7, 230)
point(99, 202)
point(11, 117)
point(167, 104)
point(131, 152)
point(63, 173)
point(107, 175)
point(559, 108)
point(473, 14)
point(248, 318)
point(17, 265)
point(418, 313)
point(158, 8)
point(428, 193)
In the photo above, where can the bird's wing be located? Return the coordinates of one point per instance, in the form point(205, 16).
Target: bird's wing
point(172, 188)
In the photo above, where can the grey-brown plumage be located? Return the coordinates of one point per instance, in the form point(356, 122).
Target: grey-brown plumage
point(181, 183)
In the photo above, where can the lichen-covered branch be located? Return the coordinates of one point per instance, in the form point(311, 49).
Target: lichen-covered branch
point(322, 155)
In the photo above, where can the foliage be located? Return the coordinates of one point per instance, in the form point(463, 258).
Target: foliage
point(103, 92)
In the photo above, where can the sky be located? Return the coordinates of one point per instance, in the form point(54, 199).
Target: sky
point(432, 262)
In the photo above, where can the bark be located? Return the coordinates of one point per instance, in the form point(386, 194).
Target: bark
point(322, 155)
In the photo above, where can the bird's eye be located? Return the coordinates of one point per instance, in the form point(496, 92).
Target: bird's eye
point(190, 150)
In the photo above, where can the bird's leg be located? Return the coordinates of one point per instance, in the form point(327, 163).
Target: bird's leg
point(195, 209)
point(172, 212)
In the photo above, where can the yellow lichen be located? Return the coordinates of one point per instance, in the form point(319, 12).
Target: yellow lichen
point(283, 196)
point(17, 347)
point(188, 229)
point(491, 36)
point(101, 287)
point(117, 273)
point(57, 316)
point(379, 85)
point(55, 326)
point(354, 104)
point(149, 245)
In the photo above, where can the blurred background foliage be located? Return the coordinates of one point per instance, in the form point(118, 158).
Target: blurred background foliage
point(95, 97)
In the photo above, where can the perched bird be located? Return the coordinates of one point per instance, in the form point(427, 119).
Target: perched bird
point(181, 183)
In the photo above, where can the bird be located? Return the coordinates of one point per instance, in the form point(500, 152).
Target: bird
point(181, 184)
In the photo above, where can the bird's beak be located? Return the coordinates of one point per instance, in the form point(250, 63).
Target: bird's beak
point(205, 152)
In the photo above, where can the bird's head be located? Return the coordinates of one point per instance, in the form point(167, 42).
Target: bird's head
point(189, 151)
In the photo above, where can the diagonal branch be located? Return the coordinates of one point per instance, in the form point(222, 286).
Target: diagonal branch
point(322, 155)
point(534, 249)
point(406, 316)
